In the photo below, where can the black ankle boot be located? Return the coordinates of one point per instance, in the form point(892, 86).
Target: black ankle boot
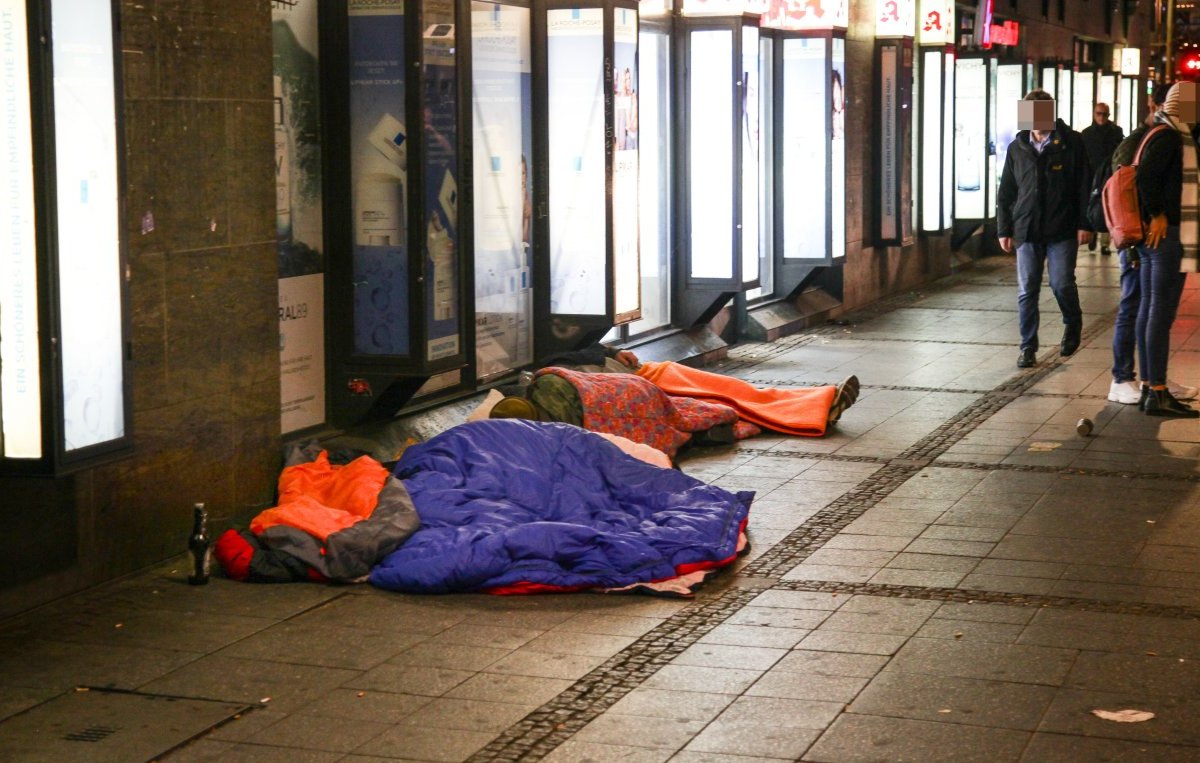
point(1160, 402)
point(1144, 396)
point(1070, 339)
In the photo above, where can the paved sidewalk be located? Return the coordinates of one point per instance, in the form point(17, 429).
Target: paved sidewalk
point(953, 574)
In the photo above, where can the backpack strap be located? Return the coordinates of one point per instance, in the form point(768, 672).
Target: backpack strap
point(1145, 140)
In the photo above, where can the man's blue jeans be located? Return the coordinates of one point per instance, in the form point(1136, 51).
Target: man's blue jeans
point(1162, 288)
point(1125, 329)
point(1059, 259)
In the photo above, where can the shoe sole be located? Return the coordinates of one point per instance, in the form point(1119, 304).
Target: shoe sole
point(1115, 399)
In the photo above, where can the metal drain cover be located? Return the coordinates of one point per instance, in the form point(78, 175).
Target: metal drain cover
point(98, 725)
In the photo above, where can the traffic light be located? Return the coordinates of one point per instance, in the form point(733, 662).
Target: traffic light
point(1189, 64)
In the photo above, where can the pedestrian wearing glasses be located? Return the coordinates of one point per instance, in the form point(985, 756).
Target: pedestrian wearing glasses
point(1100, 139)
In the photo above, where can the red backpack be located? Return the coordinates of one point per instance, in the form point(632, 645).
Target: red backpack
point(1122, 212)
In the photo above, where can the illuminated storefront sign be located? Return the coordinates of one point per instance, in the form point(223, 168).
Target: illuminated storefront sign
point(895, 18)
point(936, 22)
point(807, 14)
point(1131, 62)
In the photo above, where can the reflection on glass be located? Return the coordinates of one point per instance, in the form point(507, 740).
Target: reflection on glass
point(20, 383)
point(711, 153)
point(1085, 87)
point(89, 266)
point(575, 91)
point(654, 179)
point(837, 151)
point(970, 131)
point(751, 155)
point(378, 177)
point(625, 162)
point(503, 139)
point(931, 140)
point(805, 144)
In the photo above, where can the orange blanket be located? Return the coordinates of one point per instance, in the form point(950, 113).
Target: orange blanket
point(802, 411)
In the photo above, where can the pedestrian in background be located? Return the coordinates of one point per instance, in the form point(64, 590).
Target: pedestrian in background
point(1100, 139)
point(1041, 213)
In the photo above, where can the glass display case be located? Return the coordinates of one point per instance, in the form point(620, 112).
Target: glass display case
point(935, 177)
point(971, 138)
point(502, 131)
point(1009, 91)
point(392, 102)
point(590, 160)
point(1084, 100)
point(720, 160)
point(64, 389)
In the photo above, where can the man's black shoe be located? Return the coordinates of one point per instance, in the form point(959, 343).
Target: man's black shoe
point(1027, 359)
point(1104, 250)
point(1070, 339)
point(1160, 402)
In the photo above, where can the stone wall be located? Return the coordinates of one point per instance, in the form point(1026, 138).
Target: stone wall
point(199, 226)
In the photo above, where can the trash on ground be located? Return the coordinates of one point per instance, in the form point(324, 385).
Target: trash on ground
point(1043, 447)
point(1124, 716)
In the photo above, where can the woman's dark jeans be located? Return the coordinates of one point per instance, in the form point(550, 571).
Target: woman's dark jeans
point(1161, 285)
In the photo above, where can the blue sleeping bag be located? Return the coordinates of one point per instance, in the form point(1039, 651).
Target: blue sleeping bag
point(523, 506)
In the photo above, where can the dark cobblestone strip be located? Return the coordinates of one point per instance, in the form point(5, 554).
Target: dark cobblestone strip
point(1067, 470)
point(888, 387)
point(812, 456)
point(974, 596)
point(540, 732)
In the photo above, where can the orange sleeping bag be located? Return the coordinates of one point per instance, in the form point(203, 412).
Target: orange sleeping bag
point(321, 498)
point(802, 411)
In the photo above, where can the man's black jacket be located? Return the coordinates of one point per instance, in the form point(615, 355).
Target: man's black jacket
point(1100, 141)
point(1043, 197)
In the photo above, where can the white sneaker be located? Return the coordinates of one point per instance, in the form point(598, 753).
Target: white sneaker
point(1181, 391)
point(1125, 393)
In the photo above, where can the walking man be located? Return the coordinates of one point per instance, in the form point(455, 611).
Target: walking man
point(1101, 138)
point(1040, 212)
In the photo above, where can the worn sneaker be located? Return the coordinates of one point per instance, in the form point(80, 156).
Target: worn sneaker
point(1125, 393)
point(1182, 391)
point(843, 398)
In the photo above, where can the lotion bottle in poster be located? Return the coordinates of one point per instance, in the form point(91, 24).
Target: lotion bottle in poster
point(379, 188)
point(283, 173)
point(441, 253)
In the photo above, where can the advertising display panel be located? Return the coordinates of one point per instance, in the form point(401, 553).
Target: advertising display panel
point(948, 158)
point(299, 214)
point(577, 209)
point(20, 366)
point(627, 275)
point(1064, 95)
point(502, 118)
point(990, 143)
point(837, 150)
point(893, 221)
point(87, 226)
point(1106, 92)
point(804, 147)
point(439, 109)
point(970, 138)
point(711, 161)
point(654, 178)
point(931, 150)
point(1050, 80)
point(1127, 103)
point(1085, 99)
point(378, 177)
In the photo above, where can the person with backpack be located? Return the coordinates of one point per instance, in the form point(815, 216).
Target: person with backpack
point(1169, 197)
point(1124, 387)
point(1040, 212)
point(1100, 139)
